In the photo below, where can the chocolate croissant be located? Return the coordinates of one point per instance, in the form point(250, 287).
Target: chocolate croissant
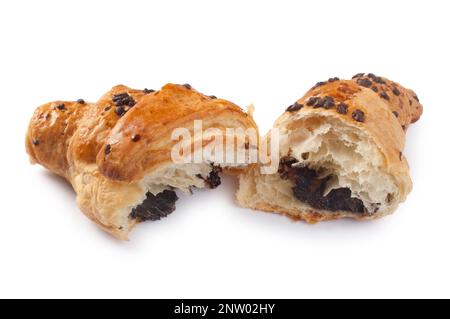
point(340, 153)
point(116, 152)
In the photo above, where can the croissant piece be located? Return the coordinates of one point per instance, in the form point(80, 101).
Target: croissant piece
point(340, 153)
point(116, 152)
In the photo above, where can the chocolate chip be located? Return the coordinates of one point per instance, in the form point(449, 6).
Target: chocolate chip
point(364, 82)
point(312, 100)
point(384, 95)
point(61, 107)
point(326, 102)
point(120, 110)
point(375, 89)
point(395, 113)
point(396, 91)
point(148, 91)
point(416, 98)
point(403, 127)
point(358, 115)
point(107, 149)
point(329, 102)
point(375, 78)
point(35, 142)
point(135, 137)
point(81, 101)
point(333, 79)
point(358, 75)
point(320, 102)
point(294, 107)
point(213, 97)
point(187, 86)
point(400, 155)
point(342, 108)
point(318, 84)
point(106, 109)
point(123, 99)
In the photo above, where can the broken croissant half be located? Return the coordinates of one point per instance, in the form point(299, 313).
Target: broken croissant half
point(340, 153)
point(116, 152)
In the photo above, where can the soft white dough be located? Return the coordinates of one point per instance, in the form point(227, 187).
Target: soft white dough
point(325, 143)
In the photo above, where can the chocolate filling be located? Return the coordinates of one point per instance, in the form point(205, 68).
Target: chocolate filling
point(213, 179)
point(309, 188)
point(155, 207)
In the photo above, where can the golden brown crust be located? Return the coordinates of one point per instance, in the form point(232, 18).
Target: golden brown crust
point(403, 102)
point(378, 121)
point(152, 120)
point(100, 118)
point(71, 139)
point(358, 104)
point(312, 216)
point(50, 131)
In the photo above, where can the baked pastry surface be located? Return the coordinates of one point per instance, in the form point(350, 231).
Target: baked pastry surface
point(116, 152)
point(340, 153)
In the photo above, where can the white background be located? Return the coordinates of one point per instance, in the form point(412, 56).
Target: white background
point(261, 52)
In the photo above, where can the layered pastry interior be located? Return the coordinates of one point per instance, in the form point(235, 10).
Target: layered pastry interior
point(163, 184)
point(335, 167)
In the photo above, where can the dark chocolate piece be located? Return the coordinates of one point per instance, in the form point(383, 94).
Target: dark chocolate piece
point(81, 101)
point(329, 102)
point(384, 95)
point(396, 91)
point(213, 179)
point(61, 107)
point(107, 149)
point(358, 75)
point(120, 110)
point(312, 100)
point(135, 137)
point(35, 142)
point(376, 79)
point(318, 84)
point(320, 102)
point(364, 82)
point(155, 207)
point(148, 91)
point(123, 99)
point(294, 107)
point(342, 108)
point(309, 188)
point(358, 115)
point(326, 102)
